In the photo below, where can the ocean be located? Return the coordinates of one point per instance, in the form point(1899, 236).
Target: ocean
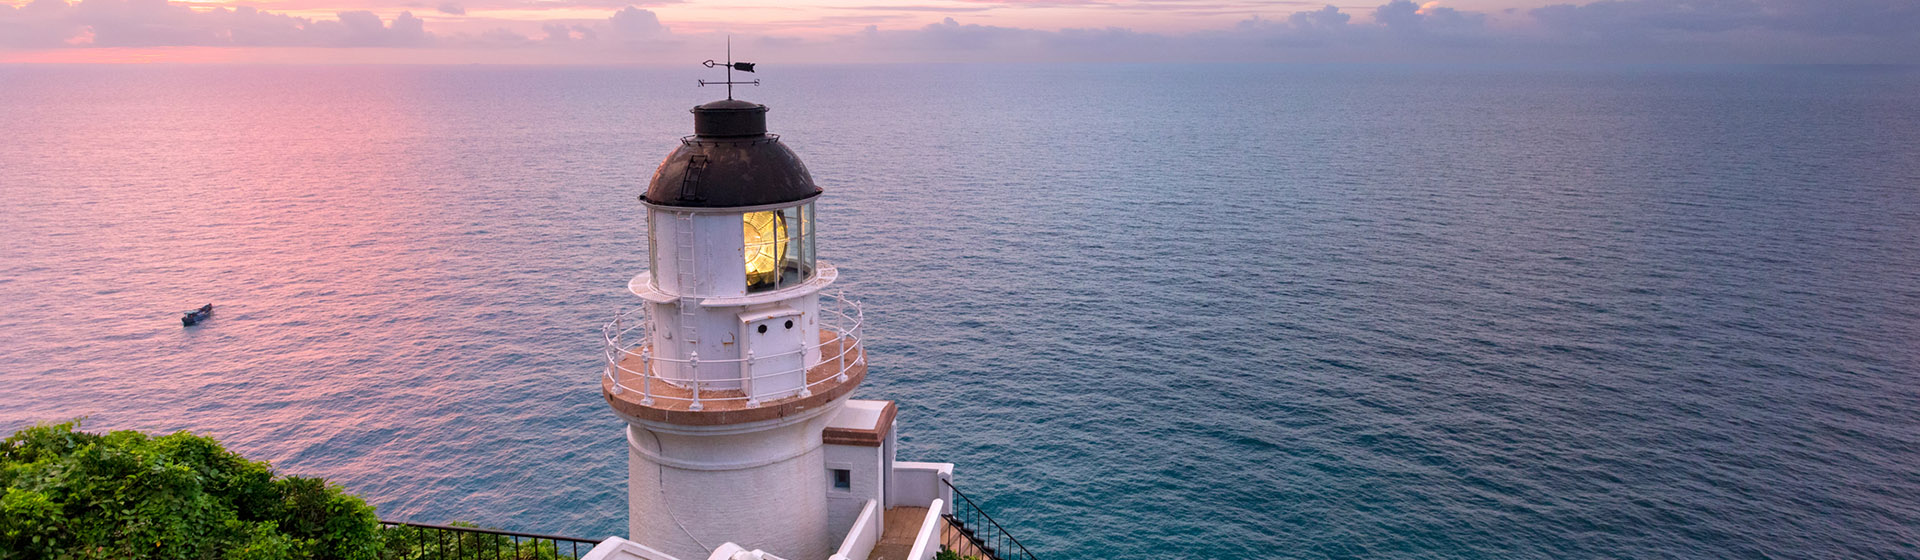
point(1150, 311)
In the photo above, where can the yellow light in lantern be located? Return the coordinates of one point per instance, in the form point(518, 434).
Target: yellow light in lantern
point(766, 246)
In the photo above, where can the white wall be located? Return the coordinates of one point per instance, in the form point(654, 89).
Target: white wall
point(718, 253)
point(862, 535)
point(864, 464)
point(926, 542)
point(764, 489)
point(918, 484)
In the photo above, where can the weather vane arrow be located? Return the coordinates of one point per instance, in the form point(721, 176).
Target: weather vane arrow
point(731, 66)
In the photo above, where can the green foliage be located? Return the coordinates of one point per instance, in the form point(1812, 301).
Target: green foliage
point(124, 495)
point(948, 554)
point(414, 543)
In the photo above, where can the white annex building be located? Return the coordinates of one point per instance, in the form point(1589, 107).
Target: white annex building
point(734, 375)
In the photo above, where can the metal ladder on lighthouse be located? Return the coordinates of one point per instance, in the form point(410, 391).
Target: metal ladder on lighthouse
point(689, 327)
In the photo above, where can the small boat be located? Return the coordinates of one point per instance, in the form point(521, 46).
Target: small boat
point(194, 317)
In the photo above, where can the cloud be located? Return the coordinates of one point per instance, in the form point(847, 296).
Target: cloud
point(635, 23)
point(1395, 30)
point(158, 23)
point(1880, 18)
point(501, 38)
point(942, 9)
point(1405, 17)
point(1327, 17)
point(1395, 26)
point(48, 24)
point(1312, 28)
point(1643, 18)
point(950, 34)
point(1405, 31)
point(1846, 31)
point(518, 5)
point(1402, 30)
point(560, 33)
point(38, 24)
point(632, 25)
point(1032, 2)
point(364, 29)
point(629, 29)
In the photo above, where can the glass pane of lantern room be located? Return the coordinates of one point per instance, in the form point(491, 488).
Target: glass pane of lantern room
point(807, 239)
point(763, 243)
point(791, 272)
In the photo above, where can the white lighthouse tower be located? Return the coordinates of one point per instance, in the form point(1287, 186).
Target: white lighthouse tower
point(737, 364)
point(734, 375)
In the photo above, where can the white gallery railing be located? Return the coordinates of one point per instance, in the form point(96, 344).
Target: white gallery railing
point(633, 366)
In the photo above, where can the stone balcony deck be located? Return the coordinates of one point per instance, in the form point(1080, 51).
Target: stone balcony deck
point(644, 396)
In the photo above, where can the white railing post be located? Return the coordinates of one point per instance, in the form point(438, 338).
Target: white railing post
point(753, 398)
point(646, 377)
point(842, 359)
point(693, 370)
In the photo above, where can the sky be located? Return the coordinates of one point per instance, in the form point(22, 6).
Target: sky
point(858, 31)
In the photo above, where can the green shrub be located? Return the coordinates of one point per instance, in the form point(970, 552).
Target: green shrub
point(948, 554)
point(124, 495)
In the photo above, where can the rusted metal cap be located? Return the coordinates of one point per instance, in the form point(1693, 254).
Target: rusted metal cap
point(730, 162)
point(730, 118)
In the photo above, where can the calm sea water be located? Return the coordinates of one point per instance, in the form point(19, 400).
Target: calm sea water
point(1150, 311)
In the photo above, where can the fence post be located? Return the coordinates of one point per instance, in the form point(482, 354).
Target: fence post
point(693, 363)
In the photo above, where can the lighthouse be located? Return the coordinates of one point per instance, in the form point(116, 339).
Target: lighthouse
point(732, 369)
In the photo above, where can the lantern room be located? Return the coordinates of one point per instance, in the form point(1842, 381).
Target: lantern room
point(731, 170)
point(733, 284)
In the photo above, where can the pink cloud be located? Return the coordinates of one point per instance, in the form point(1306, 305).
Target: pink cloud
point(158, 23)
point(1396, 30)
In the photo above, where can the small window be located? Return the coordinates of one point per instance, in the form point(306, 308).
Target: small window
point(842, 479)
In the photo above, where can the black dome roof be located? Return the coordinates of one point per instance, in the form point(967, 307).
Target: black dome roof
point(730, 161)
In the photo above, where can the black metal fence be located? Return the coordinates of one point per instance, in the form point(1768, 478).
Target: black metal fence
point(420, 541)
point(973, 524)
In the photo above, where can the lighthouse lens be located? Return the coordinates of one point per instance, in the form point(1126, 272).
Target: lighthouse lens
point(765, 234)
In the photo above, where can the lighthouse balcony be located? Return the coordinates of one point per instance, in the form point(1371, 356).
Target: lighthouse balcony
point(642, 383)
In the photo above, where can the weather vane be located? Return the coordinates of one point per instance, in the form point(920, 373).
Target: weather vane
point(731, 66)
